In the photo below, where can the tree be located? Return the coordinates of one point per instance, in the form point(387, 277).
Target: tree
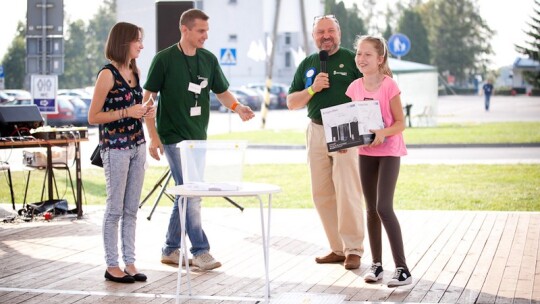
point(389, 17)
point(14, 61)
point(85, 47)
point(532, 47)
point(349, 22)
point(76, 67)
point(98, 30)
point(371, 14)
point(411, 25)
point(388, 32)
point(83, 51)
point(458, 36)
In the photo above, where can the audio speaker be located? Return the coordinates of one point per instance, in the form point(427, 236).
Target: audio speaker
point(168, 22)
point(18, 120)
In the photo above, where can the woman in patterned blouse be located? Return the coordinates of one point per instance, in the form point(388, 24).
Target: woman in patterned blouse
point(118, 109)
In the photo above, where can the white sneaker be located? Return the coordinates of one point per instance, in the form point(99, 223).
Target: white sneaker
point(205, 261)
point(374, 274)
point(173, 258)
point(402, 276)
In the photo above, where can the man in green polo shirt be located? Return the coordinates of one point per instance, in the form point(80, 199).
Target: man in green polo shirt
point(335, 178)
point(184, 74)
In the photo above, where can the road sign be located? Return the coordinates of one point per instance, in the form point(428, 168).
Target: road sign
point(43, 90)
point(2, 85)
point(399, 45)
point(45, 37)
point(45, 15)
point(227, 57)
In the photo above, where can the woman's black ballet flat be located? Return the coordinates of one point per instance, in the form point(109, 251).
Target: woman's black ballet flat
point(125, 279)
point(140, 277)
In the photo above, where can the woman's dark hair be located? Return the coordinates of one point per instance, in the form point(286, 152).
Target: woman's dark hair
point(121, 35)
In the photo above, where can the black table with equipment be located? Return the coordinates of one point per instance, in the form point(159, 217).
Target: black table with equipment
point(28, 142)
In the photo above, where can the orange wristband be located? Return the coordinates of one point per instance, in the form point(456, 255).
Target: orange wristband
point(235, 104)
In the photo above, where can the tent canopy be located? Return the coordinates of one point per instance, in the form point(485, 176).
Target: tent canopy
point(419, 89)
point(401, 66)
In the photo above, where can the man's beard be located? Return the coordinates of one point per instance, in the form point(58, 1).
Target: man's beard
point(331, 48)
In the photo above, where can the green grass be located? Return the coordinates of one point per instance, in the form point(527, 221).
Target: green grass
point(513, 187)
point(420, 187)
point(504, 132)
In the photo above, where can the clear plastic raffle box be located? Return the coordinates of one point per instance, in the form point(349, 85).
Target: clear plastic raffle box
point(212, 164)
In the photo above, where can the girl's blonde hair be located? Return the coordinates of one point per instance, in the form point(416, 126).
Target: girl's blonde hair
point(380, 46)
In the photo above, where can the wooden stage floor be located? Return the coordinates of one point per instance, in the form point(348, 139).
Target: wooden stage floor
point(454, 256)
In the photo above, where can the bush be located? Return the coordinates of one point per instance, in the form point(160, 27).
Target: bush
point(504, 91)
point(465, 91)
point(520, 90)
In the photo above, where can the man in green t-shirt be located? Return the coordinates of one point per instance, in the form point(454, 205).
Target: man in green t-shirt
point(335, 178)
point(184, 74)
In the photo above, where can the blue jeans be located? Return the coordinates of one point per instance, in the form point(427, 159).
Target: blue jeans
point(197, 237)
point(487, 97)
point(124, 177)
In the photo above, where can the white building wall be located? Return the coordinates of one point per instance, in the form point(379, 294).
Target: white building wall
point(143, 14)
point(243, 20)
point(250, 20)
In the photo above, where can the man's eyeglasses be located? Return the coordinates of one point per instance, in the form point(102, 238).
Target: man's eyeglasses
point(317, 18)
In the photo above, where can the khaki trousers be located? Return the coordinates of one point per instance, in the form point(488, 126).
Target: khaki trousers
point(336, 192)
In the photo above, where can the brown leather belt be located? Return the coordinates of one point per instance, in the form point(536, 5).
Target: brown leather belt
point(316, 121)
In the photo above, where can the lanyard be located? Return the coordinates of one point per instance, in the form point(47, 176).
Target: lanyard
point(189, 69)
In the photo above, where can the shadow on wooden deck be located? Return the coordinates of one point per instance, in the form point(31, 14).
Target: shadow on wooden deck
point(454, 257)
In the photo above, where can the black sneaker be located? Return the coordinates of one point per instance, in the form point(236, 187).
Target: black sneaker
point(375, 273)
point(402, 276)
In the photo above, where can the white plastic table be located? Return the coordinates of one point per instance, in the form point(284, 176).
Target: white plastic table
point(243, 189)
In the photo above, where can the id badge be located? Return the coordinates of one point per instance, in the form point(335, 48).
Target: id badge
point(195, 88)
point(195, 111)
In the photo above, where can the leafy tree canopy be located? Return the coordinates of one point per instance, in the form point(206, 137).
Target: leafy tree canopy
point(531, 47)
point(458, 37)
point(83, 51)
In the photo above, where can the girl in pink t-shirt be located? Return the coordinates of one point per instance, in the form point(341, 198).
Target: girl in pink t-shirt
point(380, 161)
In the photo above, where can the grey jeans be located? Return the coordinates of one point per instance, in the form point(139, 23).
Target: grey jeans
point(124, 177)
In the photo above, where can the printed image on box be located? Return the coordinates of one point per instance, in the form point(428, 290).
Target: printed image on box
point(347, 125)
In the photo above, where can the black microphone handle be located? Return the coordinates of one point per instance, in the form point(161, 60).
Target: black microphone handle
point(323, 66)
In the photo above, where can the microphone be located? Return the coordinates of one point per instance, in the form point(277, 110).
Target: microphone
point(323, 56)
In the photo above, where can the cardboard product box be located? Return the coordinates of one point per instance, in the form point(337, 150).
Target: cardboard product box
point(347, 125)
point(38, 157)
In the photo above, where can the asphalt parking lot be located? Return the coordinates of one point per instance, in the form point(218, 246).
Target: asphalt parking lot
point(457, 109)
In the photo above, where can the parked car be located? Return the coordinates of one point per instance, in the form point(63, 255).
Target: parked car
point(215, 105)
point(279, 89)
point(80, 93)
point(5, 98)
point(19, 96)
point(248, 97)
point(71, 111)
point(65, 115)
point(273, 104)
point(81, 110)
